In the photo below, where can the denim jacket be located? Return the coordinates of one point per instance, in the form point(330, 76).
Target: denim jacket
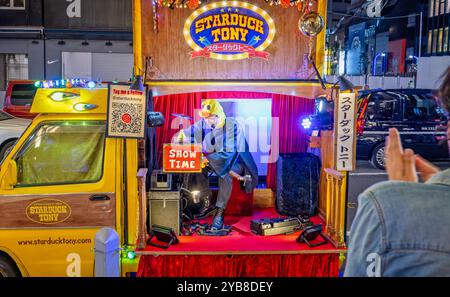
point(402, 229)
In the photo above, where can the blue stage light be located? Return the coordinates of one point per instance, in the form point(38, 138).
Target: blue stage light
point(306, 123)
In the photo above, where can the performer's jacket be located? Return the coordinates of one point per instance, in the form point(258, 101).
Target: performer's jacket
point(224, 148)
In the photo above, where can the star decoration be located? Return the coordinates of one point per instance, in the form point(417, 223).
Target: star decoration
point(201, 39)
point(222, 10)
point(237, 10)
point(257, 38)
point(229, 9)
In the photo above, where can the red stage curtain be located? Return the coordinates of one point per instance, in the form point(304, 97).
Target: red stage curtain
point(177, 103)
point(289, 109)
point(292, 138)
point(292, 265)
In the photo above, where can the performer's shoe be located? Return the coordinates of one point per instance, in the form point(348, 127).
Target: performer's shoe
point(218, 219)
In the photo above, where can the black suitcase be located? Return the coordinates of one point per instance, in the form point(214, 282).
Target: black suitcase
point(297, 184)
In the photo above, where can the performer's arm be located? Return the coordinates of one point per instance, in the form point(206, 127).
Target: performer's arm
point(185, 135)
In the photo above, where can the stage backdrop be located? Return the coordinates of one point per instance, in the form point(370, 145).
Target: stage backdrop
point(289, 110)
point(163, 40)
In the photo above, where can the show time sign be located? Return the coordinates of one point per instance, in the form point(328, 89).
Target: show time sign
point(229, 30)
point(182, 158)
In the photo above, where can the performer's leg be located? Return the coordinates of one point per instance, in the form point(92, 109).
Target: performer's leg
point(225, 186)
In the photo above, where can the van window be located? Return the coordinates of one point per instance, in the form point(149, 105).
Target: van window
point(22, 94)
point(62, 153)
point(382, 107)
point(423, 107)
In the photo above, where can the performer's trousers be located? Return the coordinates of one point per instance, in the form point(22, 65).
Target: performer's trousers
point(226, 184)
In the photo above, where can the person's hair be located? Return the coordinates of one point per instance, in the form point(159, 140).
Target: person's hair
point(444, 90)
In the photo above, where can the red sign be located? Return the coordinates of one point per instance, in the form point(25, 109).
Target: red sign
point(230, 48)
point(182, 158)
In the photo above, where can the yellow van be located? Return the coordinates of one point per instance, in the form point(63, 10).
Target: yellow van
point(61, 183)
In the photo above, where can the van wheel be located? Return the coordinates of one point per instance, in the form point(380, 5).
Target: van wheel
point(377, 158)
point(8, 268)
point(6, 148)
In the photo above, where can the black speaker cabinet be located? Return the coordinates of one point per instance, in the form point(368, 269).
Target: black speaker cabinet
point(297, 184)
point(164, 209)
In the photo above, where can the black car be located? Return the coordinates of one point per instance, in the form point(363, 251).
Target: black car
point(416, 113)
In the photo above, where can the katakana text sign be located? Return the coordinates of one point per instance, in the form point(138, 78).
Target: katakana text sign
point(345, 135)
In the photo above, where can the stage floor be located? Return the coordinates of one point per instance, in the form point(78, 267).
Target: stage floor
point(241, 241)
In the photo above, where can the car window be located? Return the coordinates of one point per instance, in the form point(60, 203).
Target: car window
point(381, 106)
point(22, 94)
point(423, 107)
point(62, 153)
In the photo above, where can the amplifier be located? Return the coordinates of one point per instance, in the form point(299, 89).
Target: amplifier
point(165, 210)
point(276, 226)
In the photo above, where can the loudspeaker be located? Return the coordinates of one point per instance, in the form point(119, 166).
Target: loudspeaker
point(164, 210)
point(297, 184)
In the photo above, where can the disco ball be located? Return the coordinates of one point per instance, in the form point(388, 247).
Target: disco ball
point(311, 24)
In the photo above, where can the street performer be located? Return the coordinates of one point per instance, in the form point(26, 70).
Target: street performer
point(226, 151)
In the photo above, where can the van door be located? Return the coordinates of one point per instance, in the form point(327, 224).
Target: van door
point(62, 195)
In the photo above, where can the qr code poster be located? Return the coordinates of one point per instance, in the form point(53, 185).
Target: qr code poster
point(126, 112)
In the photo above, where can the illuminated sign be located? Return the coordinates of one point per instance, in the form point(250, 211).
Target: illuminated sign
point(229, 30)
point(182, 158)
point(48, 211)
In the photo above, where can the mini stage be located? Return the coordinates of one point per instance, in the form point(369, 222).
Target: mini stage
point(240, 254)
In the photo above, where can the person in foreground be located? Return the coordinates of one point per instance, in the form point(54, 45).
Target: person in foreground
point(402, 226)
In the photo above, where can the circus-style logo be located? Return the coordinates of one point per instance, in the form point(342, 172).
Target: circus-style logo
point(229, 30)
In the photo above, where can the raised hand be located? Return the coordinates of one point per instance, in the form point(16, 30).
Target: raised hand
point(425, 168)
point(400, 165)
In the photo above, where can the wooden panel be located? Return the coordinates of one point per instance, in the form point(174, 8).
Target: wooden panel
point(72, 210)
point(299, 89)
point(170, 52)
point(264, 198)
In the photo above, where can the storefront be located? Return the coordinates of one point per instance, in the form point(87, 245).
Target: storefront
point(253, 58)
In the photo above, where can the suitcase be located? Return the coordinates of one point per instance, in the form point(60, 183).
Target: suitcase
point(298, 177)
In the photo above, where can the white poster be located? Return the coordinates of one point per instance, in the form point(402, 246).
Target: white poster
point(126, 112)
point(345, 134)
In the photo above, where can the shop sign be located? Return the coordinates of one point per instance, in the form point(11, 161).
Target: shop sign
point(48, 211)
point(229, 30)
point(126, 115)
point(345, 132)
point(182, 158)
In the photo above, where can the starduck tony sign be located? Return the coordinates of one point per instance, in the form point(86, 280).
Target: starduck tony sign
point(229, 30)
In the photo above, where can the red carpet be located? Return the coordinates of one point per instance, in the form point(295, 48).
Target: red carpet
point(240, 254)
point(242, 241)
